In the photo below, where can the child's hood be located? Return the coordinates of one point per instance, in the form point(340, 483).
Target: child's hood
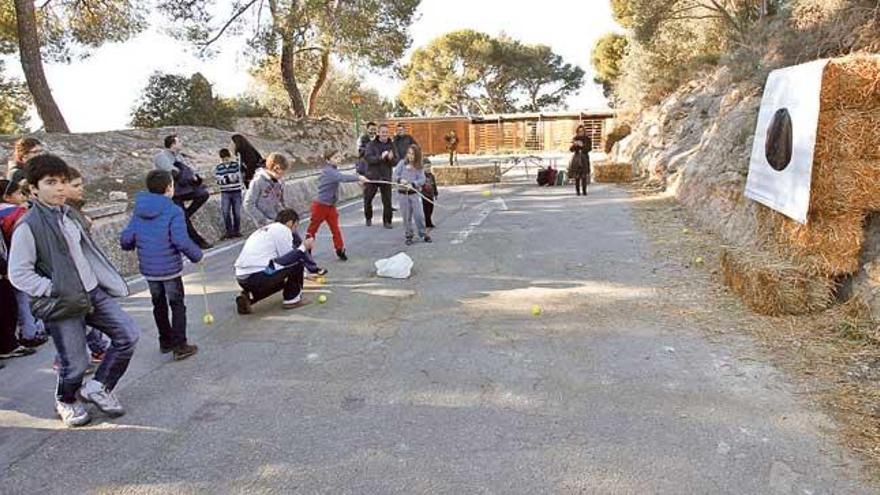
point(263, 173)
point(149, 205)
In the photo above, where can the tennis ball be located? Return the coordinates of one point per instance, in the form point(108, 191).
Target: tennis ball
point(698, 260)
point(536, 310)
point(487, 193)
point(322, 299)
point(685, 230)
point(208, 319)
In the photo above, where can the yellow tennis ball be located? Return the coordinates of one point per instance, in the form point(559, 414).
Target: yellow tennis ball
point(685, 230)
point(536, 310)
point(487, 193)
point(208, 319)
point(698, 260)
point(322, 299)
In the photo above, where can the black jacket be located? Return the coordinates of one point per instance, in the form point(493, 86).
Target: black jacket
point(377, 167)
point(402, 144)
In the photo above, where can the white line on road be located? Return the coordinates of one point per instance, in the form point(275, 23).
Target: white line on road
point(485, 209)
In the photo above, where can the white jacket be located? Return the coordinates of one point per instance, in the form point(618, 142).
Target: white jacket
point(264, 245)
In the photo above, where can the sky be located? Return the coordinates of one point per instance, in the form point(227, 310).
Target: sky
point(98, 93)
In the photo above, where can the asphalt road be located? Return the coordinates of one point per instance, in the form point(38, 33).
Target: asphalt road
point(443, 383)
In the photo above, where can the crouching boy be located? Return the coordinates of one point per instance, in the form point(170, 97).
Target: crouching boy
point(157, 230)
point(72, 284)
point(268, 263)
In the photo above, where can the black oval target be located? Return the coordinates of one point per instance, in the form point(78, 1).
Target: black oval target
point(777, 147)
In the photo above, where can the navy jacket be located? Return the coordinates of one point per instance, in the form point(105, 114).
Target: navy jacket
point(379, 168)
point(158, 230)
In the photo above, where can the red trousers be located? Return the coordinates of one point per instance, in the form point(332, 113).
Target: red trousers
point(325, 213)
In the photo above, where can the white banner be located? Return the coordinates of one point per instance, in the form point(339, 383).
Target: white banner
point(781, 165)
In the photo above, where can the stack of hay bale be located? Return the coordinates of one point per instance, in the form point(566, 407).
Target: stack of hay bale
point(612, 172)
point(799, 264)
point(462, 175)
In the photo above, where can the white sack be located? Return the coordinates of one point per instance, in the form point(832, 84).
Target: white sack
point(398, 266)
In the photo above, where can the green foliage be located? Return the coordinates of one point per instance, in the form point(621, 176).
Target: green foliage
point(607, 55)
point(333, 101)
point(170, 99)
point(469, 72)
point(14, 103)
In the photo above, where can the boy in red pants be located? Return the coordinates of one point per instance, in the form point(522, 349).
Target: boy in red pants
point(324, 206)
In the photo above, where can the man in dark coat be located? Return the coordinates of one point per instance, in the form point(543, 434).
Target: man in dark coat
point(363, 141)
point(188, 186)
point(381, 159)
point(402, 141)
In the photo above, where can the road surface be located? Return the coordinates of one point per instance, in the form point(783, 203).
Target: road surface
point(443, 383)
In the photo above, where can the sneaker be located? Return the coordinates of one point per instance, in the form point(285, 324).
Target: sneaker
point(243, 303)
point(35, 342)
point(428, 239)
point(321, 272)
point(409, 242)
point(204, 244)
point(341, 255)
point(165, 350)
point(95, 392)
point(72, 415)
point(295, 304)
point(369, 223)
point(20, 351)
point(184, 351)
point(97, 357)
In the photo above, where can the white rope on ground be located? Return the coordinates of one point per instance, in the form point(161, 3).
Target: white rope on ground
point(397, 184)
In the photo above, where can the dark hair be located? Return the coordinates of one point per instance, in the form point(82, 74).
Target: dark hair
point(249, 154)
point(329, 153)
point(24, 146)
point(73, 173)
point(417, 152)
point(158, 181)
point(8, 187)
point(224, 153)
point(371, 123)
point(46, 165)
point(169, 141)
point(288, 215)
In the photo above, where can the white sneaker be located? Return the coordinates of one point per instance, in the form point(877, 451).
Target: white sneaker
point(95, 392)
point(72, 415)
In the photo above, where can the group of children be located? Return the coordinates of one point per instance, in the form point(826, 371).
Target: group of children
point(59, 282)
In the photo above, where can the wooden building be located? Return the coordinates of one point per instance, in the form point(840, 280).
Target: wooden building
point(523, 132)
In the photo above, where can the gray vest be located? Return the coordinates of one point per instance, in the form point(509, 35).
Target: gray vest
point(69, 298)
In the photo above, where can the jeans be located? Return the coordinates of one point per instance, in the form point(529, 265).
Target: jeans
point(262, 284)
point(230, 208)
point(370, 193)
point(27, 324)
point(69, 337)
point(325, 213)
point(197, 198)
point(167, 293)
point(8, 341)
point(411, 209)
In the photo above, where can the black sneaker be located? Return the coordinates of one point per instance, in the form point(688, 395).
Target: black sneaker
point(243, 303)
point(34, 342)
point(428, 239)
point(409, 242)
point(184, 351)
point(204, 244)
point(369, 222)
point(321, 272)
point(341, 255)
point(20, 351)
point(165, 350)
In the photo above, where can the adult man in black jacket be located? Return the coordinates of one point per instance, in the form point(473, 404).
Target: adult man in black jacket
point(381, 159)
point(402, 141)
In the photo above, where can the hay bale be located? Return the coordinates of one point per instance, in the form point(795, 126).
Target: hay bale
point(848, 135)
point(483, 174)
point(612, 172)
point(773, 286)
point(845, 186)
point(851, 83)
point(450, 176)
point(828, 245)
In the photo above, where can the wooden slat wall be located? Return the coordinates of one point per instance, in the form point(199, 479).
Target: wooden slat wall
point(430, 134)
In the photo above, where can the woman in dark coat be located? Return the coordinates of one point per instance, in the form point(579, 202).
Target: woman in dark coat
point(248, 156)
point(579, 168)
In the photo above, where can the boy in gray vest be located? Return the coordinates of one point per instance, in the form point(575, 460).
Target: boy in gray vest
point(72, 284)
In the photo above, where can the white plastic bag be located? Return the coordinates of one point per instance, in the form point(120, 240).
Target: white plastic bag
point(397, 266)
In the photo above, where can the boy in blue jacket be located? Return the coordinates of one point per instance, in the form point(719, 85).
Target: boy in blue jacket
point(157, 230)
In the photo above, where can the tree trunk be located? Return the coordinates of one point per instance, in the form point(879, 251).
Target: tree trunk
point(32, 65)
point(319, 83)
point(289, 78)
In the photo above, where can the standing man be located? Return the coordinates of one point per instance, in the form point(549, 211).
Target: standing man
point(381, 160)
point(363, 141)
point(452, 147)
point(188, 185)
point(403, 141)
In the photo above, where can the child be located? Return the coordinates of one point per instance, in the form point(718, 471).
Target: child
point(409, 174)
point(158, 231)
point(9, 345)
point(265, 198)
point(430, 192)
point(268, 263)
point(72, 284)
point(324, 206)
point(95, 340)
point(228, 175)
point(12, 208)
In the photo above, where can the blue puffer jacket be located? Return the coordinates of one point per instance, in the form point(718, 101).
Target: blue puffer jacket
point(158, 230)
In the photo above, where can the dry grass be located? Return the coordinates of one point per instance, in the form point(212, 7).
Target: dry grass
point(851, 83)
point(833, 356)
point(613, 172)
